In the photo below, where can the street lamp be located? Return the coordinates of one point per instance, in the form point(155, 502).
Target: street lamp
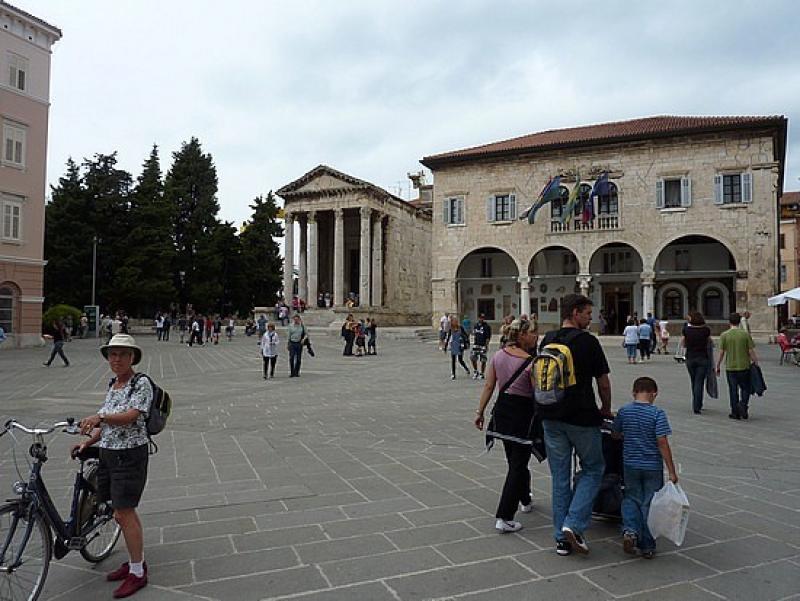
point(182, 275)
point(94, 266)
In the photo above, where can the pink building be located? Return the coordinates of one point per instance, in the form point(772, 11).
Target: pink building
point(25, 43)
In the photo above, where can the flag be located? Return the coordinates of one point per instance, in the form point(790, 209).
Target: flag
point(549, 193)
point(600, 188)
point(569, 207)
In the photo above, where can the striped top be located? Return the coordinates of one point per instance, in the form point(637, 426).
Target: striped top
point(641, 424)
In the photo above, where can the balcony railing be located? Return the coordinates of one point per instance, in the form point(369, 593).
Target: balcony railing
point(605, 221)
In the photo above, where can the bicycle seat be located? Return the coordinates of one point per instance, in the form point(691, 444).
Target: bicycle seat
point(88, 453)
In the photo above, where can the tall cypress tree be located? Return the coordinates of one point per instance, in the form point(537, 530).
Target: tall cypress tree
point(260, 252)
point(190, 188)
point(144, 277)
point(69, 232)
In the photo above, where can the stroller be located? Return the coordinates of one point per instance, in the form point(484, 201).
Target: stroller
point(608, 502)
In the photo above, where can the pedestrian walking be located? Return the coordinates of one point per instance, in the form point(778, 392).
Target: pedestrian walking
point(348, 335)
point(296, 335)
point(736, 348)
point(458, 341)
point(573, 426)
point(512, 420)
point(481, 336)
point(196, 333)
point(444, 329)
point(57, 334)
point(119, 429)
point(631, 340)
point(217, 328)
point(372, 333)
point(645, 333)
point(209, 328)
point(84, 325)
point(166, 327)
point(696, 340)
point(663, 337)
point(182, 326)
point(159, 325)
point(269, 350)
point(231, 327)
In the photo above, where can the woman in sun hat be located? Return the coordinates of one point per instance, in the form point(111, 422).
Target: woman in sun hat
point(120, 432)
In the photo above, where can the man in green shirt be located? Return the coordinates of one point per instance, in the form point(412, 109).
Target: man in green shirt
point(737, 348)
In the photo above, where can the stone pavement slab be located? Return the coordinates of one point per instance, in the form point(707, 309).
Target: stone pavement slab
point(365, 479)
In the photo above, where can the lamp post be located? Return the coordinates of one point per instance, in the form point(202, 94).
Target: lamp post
point(182, 275)
point(94, 266)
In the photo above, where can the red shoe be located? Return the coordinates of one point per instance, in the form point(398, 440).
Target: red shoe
point(130, 585)
point(119, 574)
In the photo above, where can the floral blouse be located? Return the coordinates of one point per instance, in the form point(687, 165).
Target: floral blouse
point(120, 400)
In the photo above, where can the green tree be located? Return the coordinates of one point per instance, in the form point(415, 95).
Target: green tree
point(260, 253)
point(144, 278)
point(69, 232)
point(190, 188)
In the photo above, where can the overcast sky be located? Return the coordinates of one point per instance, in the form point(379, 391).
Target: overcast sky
point(273, 89)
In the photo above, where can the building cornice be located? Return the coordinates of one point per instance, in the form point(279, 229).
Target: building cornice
point(28, 25)
point(22, 260)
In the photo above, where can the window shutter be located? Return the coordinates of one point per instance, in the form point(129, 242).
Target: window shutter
point(660, 194)
point(18, 153)
point(686, 192)
point(21, 80)
point(747, 187)
point(512, 203)
point(446, 213)
point(490, 209)
point(460, 210)
point(9, 154)
point(717, 189)
point(12, 76)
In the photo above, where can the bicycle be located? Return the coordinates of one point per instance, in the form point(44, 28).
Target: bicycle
point(31, 529)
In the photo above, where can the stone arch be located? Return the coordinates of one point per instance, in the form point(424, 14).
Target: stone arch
point(553, 270)
point(487, 281)
point(616, 282)
point(669, 311)
point(704, 302)
point(694, 235)
point(541, 253)
point(638, 259)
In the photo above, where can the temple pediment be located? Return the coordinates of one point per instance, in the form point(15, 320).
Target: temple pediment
point(325, 180)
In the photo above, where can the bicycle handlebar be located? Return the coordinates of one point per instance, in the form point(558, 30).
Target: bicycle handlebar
point(69, 427)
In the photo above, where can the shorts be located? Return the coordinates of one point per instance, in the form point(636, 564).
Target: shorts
point(442, 335)
point(122, 475)
point(478, 353)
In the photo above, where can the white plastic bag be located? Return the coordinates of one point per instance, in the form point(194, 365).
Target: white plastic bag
point(669, 513)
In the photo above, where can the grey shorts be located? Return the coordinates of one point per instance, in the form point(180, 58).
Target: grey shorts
point(478, 353)
point(122, 475)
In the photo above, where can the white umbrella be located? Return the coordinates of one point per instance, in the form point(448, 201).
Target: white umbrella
point(784, 297)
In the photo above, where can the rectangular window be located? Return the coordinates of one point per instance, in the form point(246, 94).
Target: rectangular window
point(14, 144)
point(782, 241)
point(454, 211)
point(486, 267)
point(672, 193)
point(17, 71)
point(731, 188)
point(783, 272)
point(502, 207)
point(11, 217)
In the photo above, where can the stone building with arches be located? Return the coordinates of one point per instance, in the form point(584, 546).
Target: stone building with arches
point(689, 220)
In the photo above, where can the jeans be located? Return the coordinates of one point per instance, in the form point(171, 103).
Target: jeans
point(573, 508)
point(698, 370)
point(644, 348)
point(640, 486)
point(295, 356)
point(58, 349)
point(517, 487)
point(738, 382)
point(631, 349)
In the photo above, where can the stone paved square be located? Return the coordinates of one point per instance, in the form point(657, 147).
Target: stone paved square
point(365, 479)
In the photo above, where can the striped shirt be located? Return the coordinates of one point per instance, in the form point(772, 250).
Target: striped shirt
point(641, 424)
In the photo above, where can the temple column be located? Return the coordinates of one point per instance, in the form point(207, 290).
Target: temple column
point(377, 262)
point(364, 268)
point(338, 258)
point(302, 285)
point(524, 295)
point(288, 259)
point(313, 260)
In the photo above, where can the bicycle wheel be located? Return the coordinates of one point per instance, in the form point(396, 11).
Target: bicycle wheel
point(97, 522)
point(25, 581)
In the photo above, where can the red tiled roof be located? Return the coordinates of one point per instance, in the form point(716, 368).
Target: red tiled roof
point(604, 133)
point(28, 15)
point(790, 198)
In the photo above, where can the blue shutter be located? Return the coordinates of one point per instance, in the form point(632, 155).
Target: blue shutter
point(512, 203)
point(747, 187)
point(490, 209)
point(660, 194)
point(446, 213)
point(686, 192)
point(717, 189)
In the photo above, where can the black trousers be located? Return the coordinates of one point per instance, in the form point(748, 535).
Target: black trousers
point(269, 362)
point(295, 358)
point(517, 487)
point(460, 360)
point(58, 349)
point(698, 367)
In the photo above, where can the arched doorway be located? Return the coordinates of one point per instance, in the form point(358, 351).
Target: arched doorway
point(552, 272)
point(616, 270)
point(487, 282)
point(695, 273)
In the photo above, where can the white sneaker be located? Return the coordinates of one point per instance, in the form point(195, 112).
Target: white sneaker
point(526, 508)
point(453, 377)
point(475, 376)
point(483, 377)
point(504, 526)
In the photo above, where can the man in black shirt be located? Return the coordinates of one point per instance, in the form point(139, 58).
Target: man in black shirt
point(573, 425)
point(482, 334)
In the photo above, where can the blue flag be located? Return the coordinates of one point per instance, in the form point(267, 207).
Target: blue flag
point(549, 193)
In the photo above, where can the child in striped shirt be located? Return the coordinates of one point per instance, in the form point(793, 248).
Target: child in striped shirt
point(644, 429)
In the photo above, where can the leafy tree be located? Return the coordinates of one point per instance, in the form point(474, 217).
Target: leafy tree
point(260, 253)
point(144, 278)
point(190, 188)
point(69, 232)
